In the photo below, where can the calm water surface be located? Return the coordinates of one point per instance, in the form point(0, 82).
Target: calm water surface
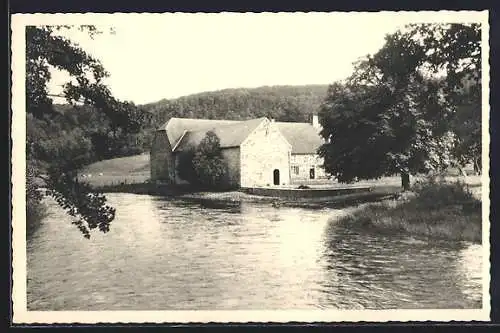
point(164, 254)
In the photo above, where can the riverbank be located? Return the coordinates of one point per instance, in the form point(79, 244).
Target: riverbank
point(442, 212)
point(337, 199)
point(435, 210)
point(336, 202)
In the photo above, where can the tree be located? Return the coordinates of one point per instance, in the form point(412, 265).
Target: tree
point(455, 49)
point(392, 115)
point(204, 166)
point(370, 137)
point(208, 161)
point(56, 159)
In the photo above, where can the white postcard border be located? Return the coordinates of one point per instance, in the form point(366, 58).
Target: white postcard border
point(19, 269)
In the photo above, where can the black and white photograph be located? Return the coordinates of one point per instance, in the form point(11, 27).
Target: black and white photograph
point(250, 167)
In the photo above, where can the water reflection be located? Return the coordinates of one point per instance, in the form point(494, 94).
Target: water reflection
point(227, 206)
point(166, 254)
point(396, 271)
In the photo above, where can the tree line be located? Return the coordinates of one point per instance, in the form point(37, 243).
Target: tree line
point(282, 103)
point(98, 139)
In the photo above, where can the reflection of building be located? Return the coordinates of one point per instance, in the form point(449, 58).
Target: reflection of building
point(258, 152)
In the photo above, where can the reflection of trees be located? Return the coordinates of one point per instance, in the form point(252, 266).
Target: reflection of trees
point(187, 219)
point(371, 270)
point(209, 244)
point(231, 207)
point(32, 228)
point(225, 206)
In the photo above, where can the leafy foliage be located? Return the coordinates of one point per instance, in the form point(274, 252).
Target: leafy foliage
point(81, 202)
point(456, 50)
point(435, 193)
point(61, 140)
point(397, 114)
point(437, 210)
point(364, 125)
point(283, 103)
point(204, 166)
point(208, 161)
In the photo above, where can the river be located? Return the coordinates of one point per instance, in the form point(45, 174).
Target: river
point(166, 254)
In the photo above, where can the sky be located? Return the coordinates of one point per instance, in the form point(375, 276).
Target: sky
point(157, 56)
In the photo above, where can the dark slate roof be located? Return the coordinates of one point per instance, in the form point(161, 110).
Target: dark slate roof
point(230, 135)
point(303, 137)
point(182, 132)
point(175, 127)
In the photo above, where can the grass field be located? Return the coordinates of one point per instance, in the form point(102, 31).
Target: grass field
point(127, 170)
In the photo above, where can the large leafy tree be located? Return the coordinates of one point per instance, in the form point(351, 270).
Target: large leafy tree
point(399, 110)
point(55, 154)
point(455, 49)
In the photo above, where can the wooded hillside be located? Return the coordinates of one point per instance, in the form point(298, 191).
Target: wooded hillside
point(283, 103)
point(80, 123)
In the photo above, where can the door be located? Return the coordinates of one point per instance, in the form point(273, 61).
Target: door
point(311, 173)
point(276, 177)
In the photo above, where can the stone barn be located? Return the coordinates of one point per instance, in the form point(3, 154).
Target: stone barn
point(257, 152)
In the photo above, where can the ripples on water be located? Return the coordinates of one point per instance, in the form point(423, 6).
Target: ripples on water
point(164, 254)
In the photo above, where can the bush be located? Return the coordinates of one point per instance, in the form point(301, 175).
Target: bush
point(204, 166)
point(437, 209)
point(437, 193)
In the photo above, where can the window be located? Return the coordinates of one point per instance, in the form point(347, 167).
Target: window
point(311, 173)
point(295, 169)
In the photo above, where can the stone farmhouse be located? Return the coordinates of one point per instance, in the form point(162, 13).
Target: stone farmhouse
point(258, 152)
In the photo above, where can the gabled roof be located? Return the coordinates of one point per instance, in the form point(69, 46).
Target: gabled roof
point(175, 127)
point(303, 137)
point(230, 135)
point(183, 132)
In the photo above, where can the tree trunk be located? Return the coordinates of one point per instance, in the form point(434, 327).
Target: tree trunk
point(461, 171)
point(477, 166)
point(405, 181)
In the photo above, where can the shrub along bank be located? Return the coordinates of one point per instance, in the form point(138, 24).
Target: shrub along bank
point(435, 209)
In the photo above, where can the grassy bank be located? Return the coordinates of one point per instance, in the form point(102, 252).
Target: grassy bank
point(435, 210)
point(124, 172)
